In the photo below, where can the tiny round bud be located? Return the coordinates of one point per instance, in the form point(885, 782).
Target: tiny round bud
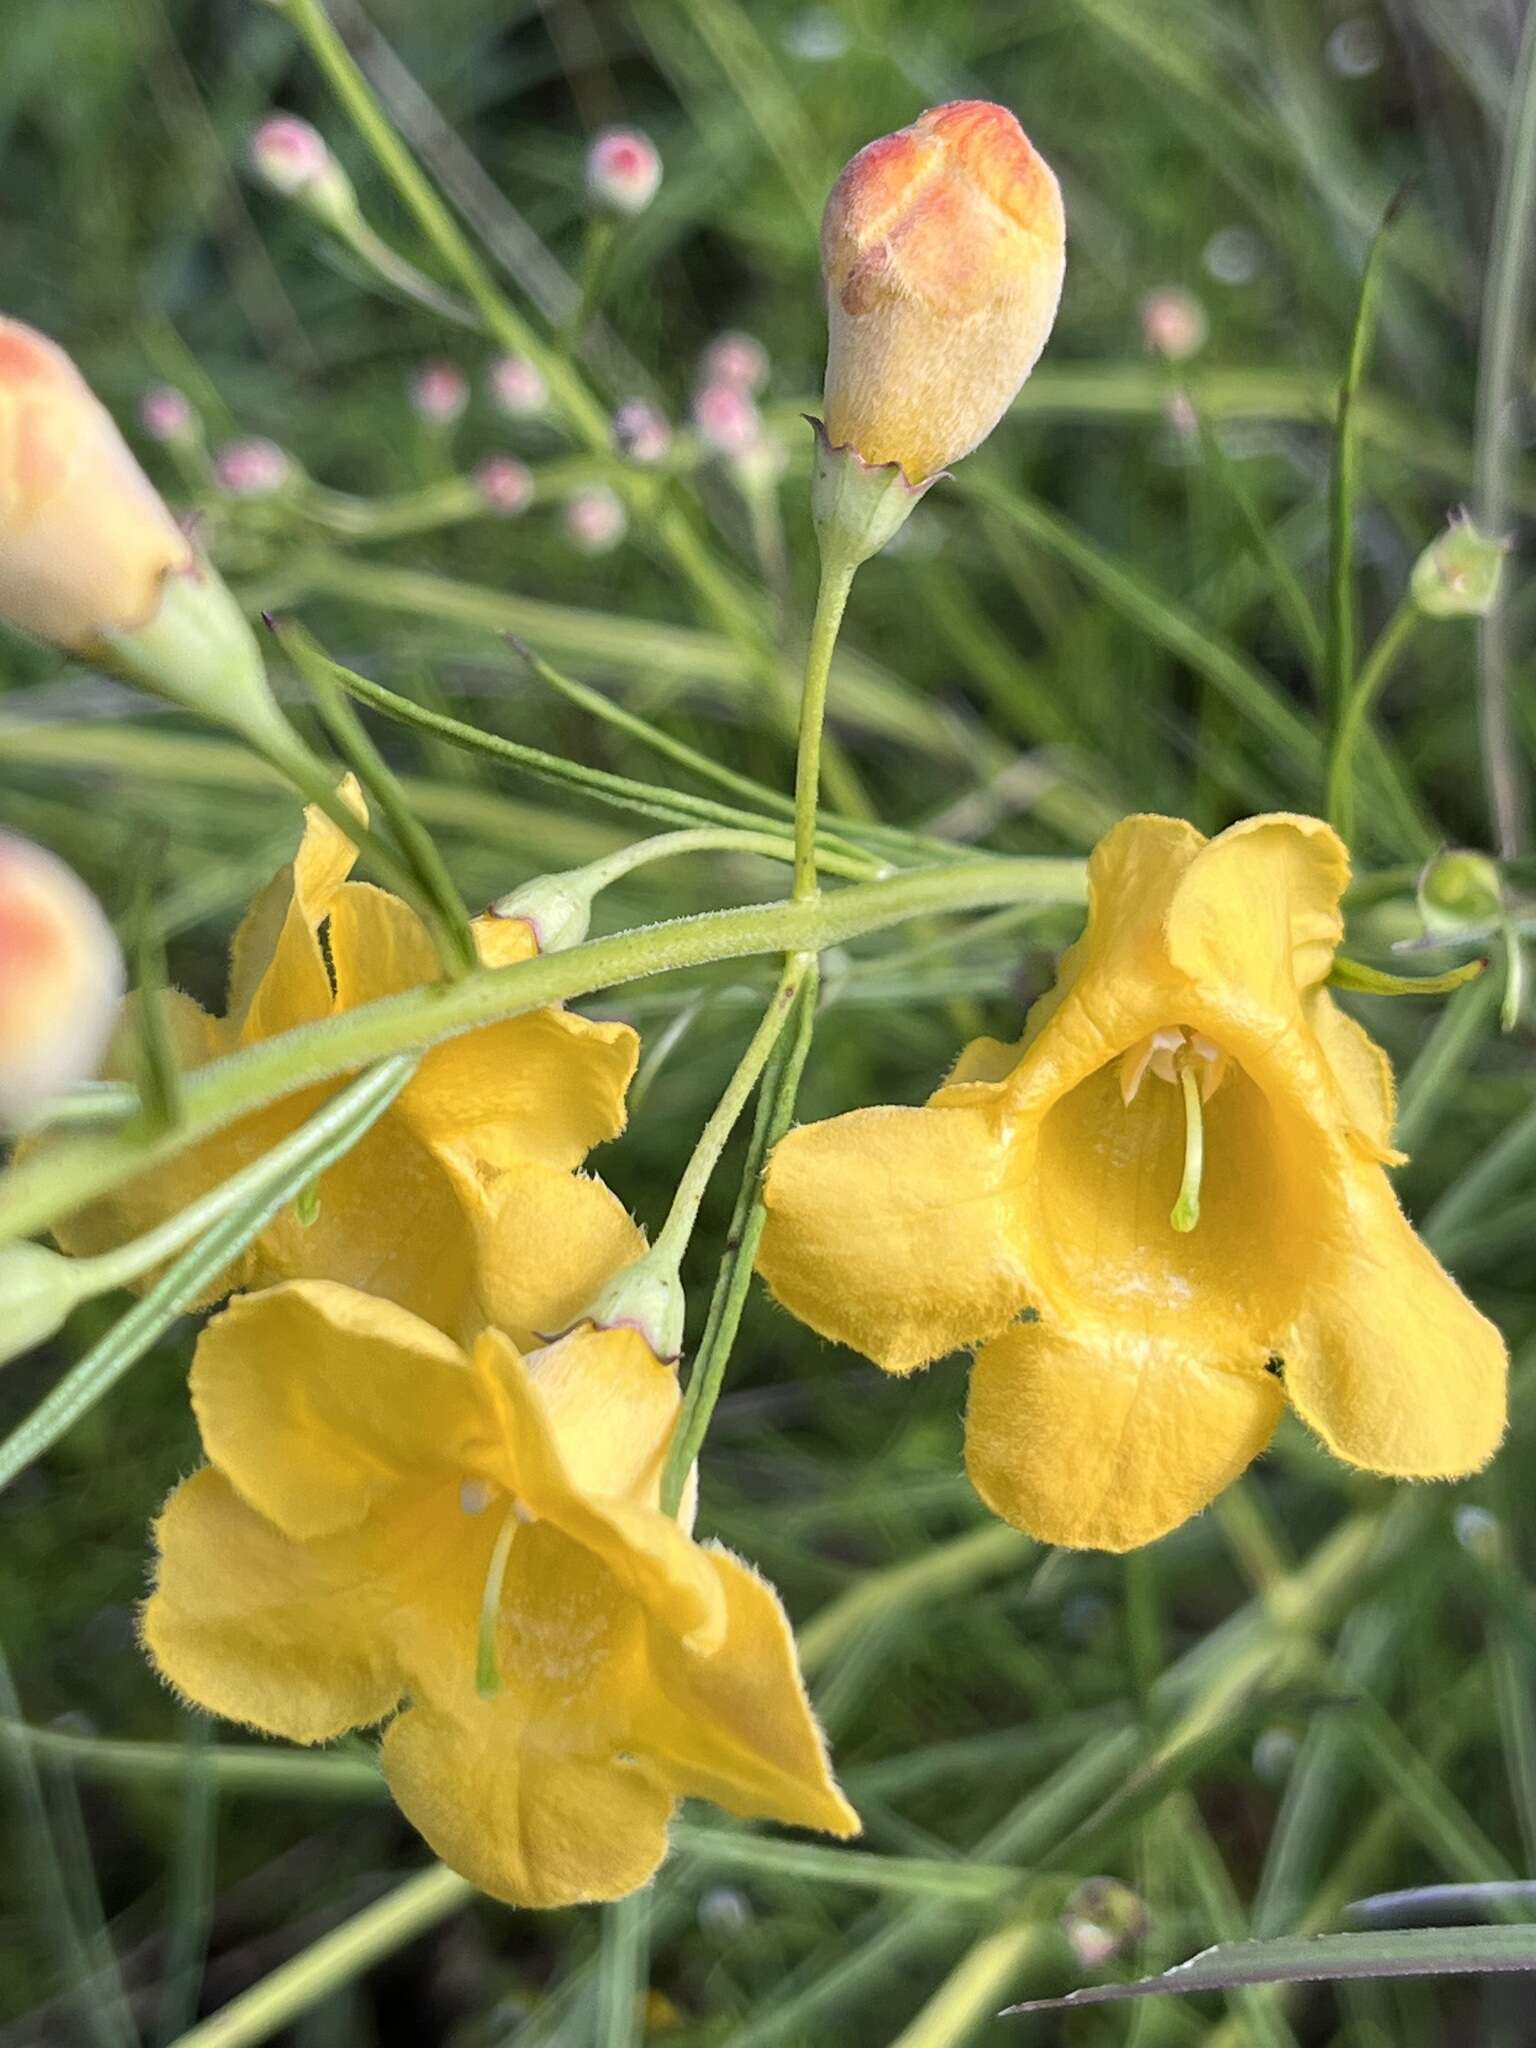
point(1479, 1532)
point(1460, 892)
point(727, 418)
point(737, 359)
point(288, 154)
point(1101, 1920)
point(1274, 1752)
point(1234, 256)
point(37, 1292)
point(816, 35)
point(943, 248)
point(595, 520)
point(505, 485)
point(1173, 323)
point(724, 1912)
point(623, 171)
point(517, 387)
point(640, 432)
point(439, 393)
point(61, 978)
point(166, 415)
point(1354, 49)
point(252, 468)
point(1457, 576)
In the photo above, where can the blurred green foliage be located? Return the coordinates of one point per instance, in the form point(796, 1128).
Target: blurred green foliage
point(1085, 622)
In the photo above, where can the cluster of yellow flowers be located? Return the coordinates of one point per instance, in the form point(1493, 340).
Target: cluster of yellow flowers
point(433, 1488)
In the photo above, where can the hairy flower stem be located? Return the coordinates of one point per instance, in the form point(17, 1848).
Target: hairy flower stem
point(831, 601)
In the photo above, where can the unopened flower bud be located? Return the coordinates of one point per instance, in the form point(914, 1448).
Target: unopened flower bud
point(1460, 892)
point(595, 520)
point(37, 1292)
point(1479, 1532)
point(622, 172)
point(91, 559)
point(85, 541)
point(1457, 576)
point(61, 978)
point(1274, 1752)
point(943, 249)
point(640, 432)
point(727, 418)
point(252, 467)
point(1103, 1919)
point(1173, 323)
point(518, 387)
point(294, 160)
point(724, 1912)
point(505, 485)
point(166, 415)
point(737, 359)
point(439, 393)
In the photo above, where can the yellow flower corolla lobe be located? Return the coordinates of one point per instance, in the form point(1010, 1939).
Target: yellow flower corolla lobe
point(331, 1560)
point(943, 247)
point(85, 541)
point(1036, 1180)
point(463, 1202)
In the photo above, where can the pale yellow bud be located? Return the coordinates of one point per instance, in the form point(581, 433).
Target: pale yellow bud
point(61, 979)
point(85, 541)
point(944, 249)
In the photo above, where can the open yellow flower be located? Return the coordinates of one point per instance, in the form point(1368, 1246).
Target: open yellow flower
point(1055, 1176)
point(386, 1517)
point(463, 1202)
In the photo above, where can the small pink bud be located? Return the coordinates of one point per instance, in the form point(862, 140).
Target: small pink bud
point(739, 360)
point(252, 468)
point(439, 393)
point(727, 418)
point(288, 154)
point(1173, 323)
point(505, 485)
point(165, 414)
point(623, 171)
point(595, 520)
point(640, 432)
point(517, 387)
point(61, 978)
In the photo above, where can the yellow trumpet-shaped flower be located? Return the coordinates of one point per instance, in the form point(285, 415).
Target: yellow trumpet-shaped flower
point(462, 1203)
point(384, 1517)
point(1180, 1172)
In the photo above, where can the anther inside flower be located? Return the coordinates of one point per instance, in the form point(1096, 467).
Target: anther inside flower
point(1179, 1174)
point(385, 1518)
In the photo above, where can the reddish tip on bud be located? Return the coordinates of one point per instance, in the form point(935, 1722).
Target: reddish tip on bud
point(943, 248)
point(727, 419)
point(61, 979)
point(517, 387)
point(737, 359)
point(640, 432)
point(288, 154)
point(439, 393)
point(505, 485)
point(623, 171)
point(252, 468)
point(85, 542)
point(595, 520)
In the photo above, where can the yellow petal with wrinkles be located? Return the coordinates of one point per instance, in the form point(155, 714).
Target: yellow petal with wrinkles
point(1389, 1362)
point(317, 1402)
point(252, 1626)
point(545, 1242)
point(610, 1405)
point(736, 1727)
point(1258, 908)
point(1101, 1437)
point(891, 1230)
point(278, 977)
point(1361, 1072)
point(644, 1550)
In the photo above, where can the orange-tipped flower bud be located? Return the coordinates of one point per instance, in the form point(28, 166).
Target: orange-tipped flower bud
point(943, 248)
point(85, 541)
point(61, 978)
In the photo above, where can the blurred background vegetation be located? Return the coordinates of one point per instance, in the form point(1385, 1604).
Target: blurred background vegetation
point(1320, 1691)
